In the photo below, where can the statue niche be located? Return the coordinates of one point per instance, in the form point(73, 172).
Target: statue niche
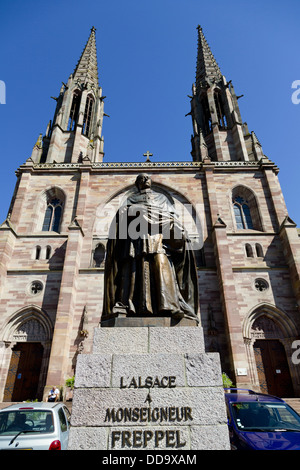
point(150, 267)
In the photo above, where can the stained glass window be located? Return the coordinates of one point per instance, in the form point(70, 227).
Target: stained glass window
point(242, 213)
point(238, 216)
point(52, 216)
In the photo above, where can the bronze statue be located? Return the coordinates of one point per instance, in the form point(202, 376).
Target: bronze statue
point(150, 268)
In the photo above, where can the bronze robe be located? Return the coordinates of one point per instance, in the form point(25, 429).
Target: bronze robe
point(150, 267)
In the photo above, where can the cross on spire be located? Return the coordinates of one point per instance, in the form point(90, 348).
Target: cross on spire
point(148, 154)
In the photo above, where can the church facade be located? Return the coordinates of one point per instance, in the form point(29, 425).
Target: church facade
point(53, 241)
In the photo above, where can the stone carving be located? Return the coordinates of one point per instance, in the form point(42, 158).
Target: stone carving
point(265, 328)
point(31, 330)
point(150, 267)
point(36, 287)
point(261, 285)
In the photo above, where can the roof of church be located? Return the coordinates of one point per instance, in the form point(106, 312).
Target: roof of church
point(207, 67)
point(86, 70)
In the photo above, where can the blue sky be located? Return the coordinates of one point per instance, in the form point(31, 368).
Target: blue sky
point(147, 59)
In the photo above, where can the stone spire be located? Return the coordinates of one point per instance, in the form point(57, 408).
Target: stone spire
point(86, 70)
point(75, 136)
point(208, 71)
point(219, 133)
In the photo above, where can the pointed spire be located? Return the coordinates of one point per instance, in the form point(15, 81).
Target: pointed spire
point(86, 70)
point(207, 68)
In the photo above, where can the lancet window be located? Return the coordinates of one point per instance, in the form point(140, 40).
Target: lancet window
point(249, 251)
point(74, 111)
point(220, 110)
point(242, 213)
point(259, 250)
point(88, 114)
point(53, 216)
point(206, 114)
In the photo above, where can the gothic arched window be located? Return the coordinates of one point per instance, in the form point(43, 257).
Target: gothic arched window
point(87, 117)
point(74, 111)
point(48, 252)
point(52, 216)
point(49, 210)
point(259, 250)
point(37, 252)
point(242, 213)
point(206, 114)
point(249, 251)
point(220, 110)
point(245, 209)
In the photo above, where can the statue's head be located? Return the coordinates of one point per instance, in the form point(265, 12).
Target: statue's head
point(143, 181)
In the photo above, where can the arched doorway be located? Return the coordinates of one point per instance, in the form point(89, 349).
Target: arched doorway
point(270, 334)
point(27, 337)
point(272, 368)
point(22, 381)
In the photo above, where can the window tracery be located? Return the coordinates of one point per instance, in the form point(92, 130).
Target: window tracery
point(242, 213)
point(53, 215)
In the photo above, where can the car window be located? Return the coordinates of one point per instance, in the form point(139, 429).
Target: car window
point(15, 421)
point(286, 415)
point(67, 413)
point(264, 416)
point(62, 420)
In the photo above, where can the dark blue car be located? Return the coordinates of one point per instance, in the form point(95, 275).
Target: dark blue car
point(261, 422)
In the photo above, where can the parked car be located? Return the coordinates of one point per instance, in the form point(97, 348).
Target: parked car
point(34, 426)
point(261, 422)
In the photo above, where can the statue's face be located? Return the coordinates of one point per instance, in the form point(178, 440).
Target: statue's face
point(143, 181)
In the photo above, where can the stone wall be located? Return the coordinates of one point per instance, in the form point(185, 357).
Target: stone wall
point(89, 189)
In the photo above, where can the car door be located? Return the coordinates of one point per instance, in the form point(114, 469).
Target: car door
point(64, 416)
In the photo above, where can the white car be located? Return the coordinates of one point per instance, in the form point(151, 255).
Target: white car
point(34, 426)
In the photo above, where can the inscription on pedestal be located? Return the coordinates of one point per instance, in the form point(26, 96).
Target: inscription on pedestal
point(148, 389)
point(140, 438)
point(149, 382)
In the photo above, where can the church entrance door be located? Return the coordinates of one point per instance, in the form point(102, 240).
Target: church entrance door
point(272, 368)
point(24, 372)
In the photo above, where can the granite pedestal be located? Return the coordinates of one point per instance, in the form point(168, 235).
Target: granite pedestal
point(148, 388)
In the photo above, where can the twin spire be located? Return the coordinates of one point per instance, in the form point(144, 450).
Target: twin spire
point(80, 110)
point(86, 70)
point(207, 68)
point(76, 131)
point(208, 71)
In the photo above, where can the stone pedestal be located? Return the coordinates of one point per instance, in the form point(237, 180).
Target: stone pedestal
point(148, 388)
